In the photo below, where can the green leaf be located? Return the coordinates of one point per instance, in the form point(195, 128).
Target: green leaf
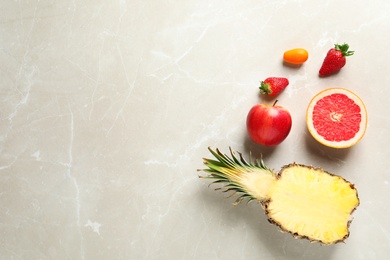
point(344, 49)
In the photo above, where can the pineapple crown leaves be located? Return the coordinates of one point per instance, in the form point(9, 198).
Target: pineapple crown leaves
point(231, 171)
point(343, 48)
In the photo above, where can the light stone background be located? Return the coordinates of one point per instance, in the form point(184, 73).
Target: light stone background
point(107, 108)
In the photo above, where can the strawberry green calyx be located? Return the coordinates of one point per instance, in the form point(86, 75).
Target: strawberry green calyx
point(265, 88)
point(343, 48)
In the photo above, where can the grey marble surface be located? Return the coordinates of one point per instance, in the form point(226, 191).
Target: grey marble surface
point(108, 107)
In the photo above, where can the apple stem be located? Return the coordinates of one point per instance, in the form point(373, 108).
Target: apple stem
point(275, 103)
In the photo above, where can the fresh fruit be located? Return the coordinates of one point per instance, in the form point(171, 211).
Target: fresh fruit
point(268, 125)
point(306, 202)
point(335, 59)
point(337, 118)
point(273, 86)
point(296, 56)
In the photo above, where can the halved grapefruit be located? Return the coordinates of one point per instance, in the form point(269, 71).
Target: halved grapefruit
point(336, 117)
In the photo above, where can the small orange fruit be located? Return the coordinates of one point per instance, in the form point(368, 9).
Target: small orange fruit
point(336, 117)
point(296, 56)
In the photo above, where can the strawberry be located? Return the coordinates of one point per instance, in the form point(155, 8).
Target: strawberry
point(335, 59)
point(273, 86)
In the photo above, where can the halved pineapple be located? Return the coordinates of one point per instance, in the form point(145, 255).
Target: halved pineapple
point(304, 201)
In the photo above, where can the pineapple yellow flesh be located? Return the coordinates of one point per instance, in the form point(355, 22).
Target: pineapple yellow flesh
point(304, 201)
point(311, 203)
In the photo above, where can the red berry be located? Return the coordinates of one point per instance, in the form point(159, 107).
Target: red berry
point(335, 59)
point(273, 86)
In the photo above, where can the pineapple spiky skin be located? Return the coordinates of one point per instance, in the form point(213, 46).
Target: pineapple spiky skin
point(307, 202)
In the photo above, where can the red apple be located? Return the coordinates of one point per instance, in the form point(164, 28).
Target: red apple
point(268, 125)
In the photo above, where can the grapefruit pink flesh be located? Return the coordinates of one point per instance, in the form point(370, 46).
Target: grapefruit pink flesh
point(337, 117)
